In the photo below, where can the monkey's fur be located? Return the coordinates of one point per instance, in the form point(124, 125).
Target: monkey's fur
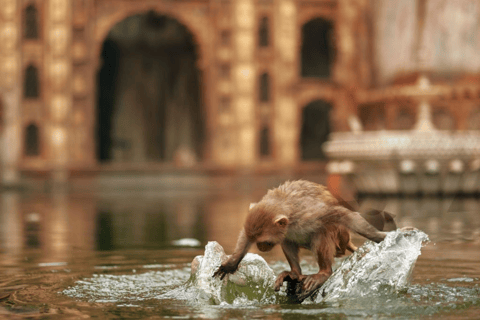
point(300, 214)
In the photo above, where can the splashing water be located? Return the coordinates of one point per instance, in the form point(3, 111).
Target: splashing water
point(376, 268)
point(372, 281)
point(251, 284)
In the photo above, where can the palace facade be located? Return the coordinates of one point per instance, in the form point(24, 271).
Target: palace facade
point(223, 83)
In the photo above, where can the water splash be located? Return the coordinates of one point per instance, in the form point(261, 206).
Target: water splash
point(374, 281)
point(376, 268)
point(251, 284)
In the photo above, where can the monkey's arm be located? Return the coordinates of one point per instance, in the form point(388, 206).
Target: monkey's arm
point(290, 249)
point(231, 264)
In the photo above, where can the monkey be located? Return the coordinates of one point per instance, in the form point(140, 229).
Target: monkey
point(300, 214)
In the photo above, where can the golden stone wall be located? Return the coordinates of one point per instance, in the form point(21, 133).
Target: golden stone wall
point(287, 113)
point(67, 55)
point(58, 95)
point(230, 60)
point(10, 65)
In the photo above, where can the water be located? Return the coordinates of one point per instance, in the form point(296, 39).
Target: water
point(70, 256)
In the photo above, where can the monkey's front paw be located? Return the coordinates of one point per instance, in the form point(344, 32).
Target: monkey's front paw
point(287, 276)
point(225, 269)
point(311, 284)
point(314, 281)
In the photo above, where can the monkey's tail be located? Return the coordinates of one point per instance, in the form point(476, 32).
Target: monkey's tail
point(354, 221)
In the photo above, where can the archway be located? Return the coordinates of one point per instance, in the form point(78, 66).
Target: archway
point(315, 129)
point(149, 101)
point(317, 51)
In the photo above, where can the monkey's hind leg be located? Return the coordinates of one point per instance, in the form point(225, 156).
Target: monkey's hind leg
point(351, 247)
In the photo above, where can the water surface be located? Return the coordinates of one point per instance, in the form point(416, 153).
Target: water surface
point(111, 255)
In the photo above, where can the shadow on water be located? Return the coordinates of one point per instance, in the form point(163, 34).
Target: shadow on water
point(116, 255)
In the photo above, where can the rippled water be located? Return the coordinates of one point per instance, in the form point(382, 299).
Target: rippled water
point(113, 256)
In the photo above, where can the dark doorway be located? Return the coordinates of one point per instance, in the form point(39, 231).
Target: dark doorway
point(149, 96)
point(315, 129)
point(317, 48)
point(106, 79)
point(104, 231)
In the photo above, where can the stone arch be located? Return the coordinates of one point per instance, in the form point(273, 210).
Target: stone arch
point(315, 128)
point(310, 90)
point(197, 24)
point(317, 48)
point(32, 140)
point(150, 79)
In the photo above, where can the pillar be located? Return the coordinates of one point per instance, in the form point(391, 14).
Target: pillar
point(10, 88)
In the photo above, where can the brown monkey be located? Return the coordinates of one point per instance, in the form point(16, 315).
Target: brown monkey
point(300, 214)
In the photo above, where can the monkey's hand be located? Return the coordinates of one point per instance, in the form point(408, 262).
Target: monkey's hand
point(315, 281)
point(312, 283)
point(226, 268)
point(288, 276)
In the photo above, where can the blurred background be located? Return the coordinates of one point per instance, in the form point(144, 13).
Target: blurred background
point(133, 123)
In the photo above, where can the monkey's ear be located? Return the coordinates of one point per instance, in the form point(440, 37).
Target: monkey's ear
point(253, 204)
point(281, 221)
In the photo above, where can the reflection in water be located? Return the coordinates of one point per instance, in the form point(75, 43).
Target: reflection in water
point(11, 229)
point(444, 219)
point(50, 241)
point(32, 230)
point(104, 231)
point(54, 224)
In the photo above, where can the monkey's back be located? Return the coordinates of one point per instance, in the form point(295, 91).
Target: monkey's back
point(309, 206)
point(299, 191)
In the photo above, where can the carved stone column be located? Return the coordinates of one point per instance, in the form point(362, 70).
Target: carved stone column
point(245, 79)
point(10, 88)
point(58, 93)
point(345, 72)
point(286, 112)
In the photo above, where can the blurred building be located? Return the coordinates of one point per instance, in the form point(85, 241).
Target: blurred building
point(224, 83)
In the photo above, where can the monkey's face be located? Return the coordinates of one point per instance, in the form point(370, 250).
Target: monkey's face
point(265, 246)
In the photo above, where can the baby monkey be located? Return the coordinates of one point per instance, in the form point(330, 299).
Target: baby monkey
point(300, 214)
